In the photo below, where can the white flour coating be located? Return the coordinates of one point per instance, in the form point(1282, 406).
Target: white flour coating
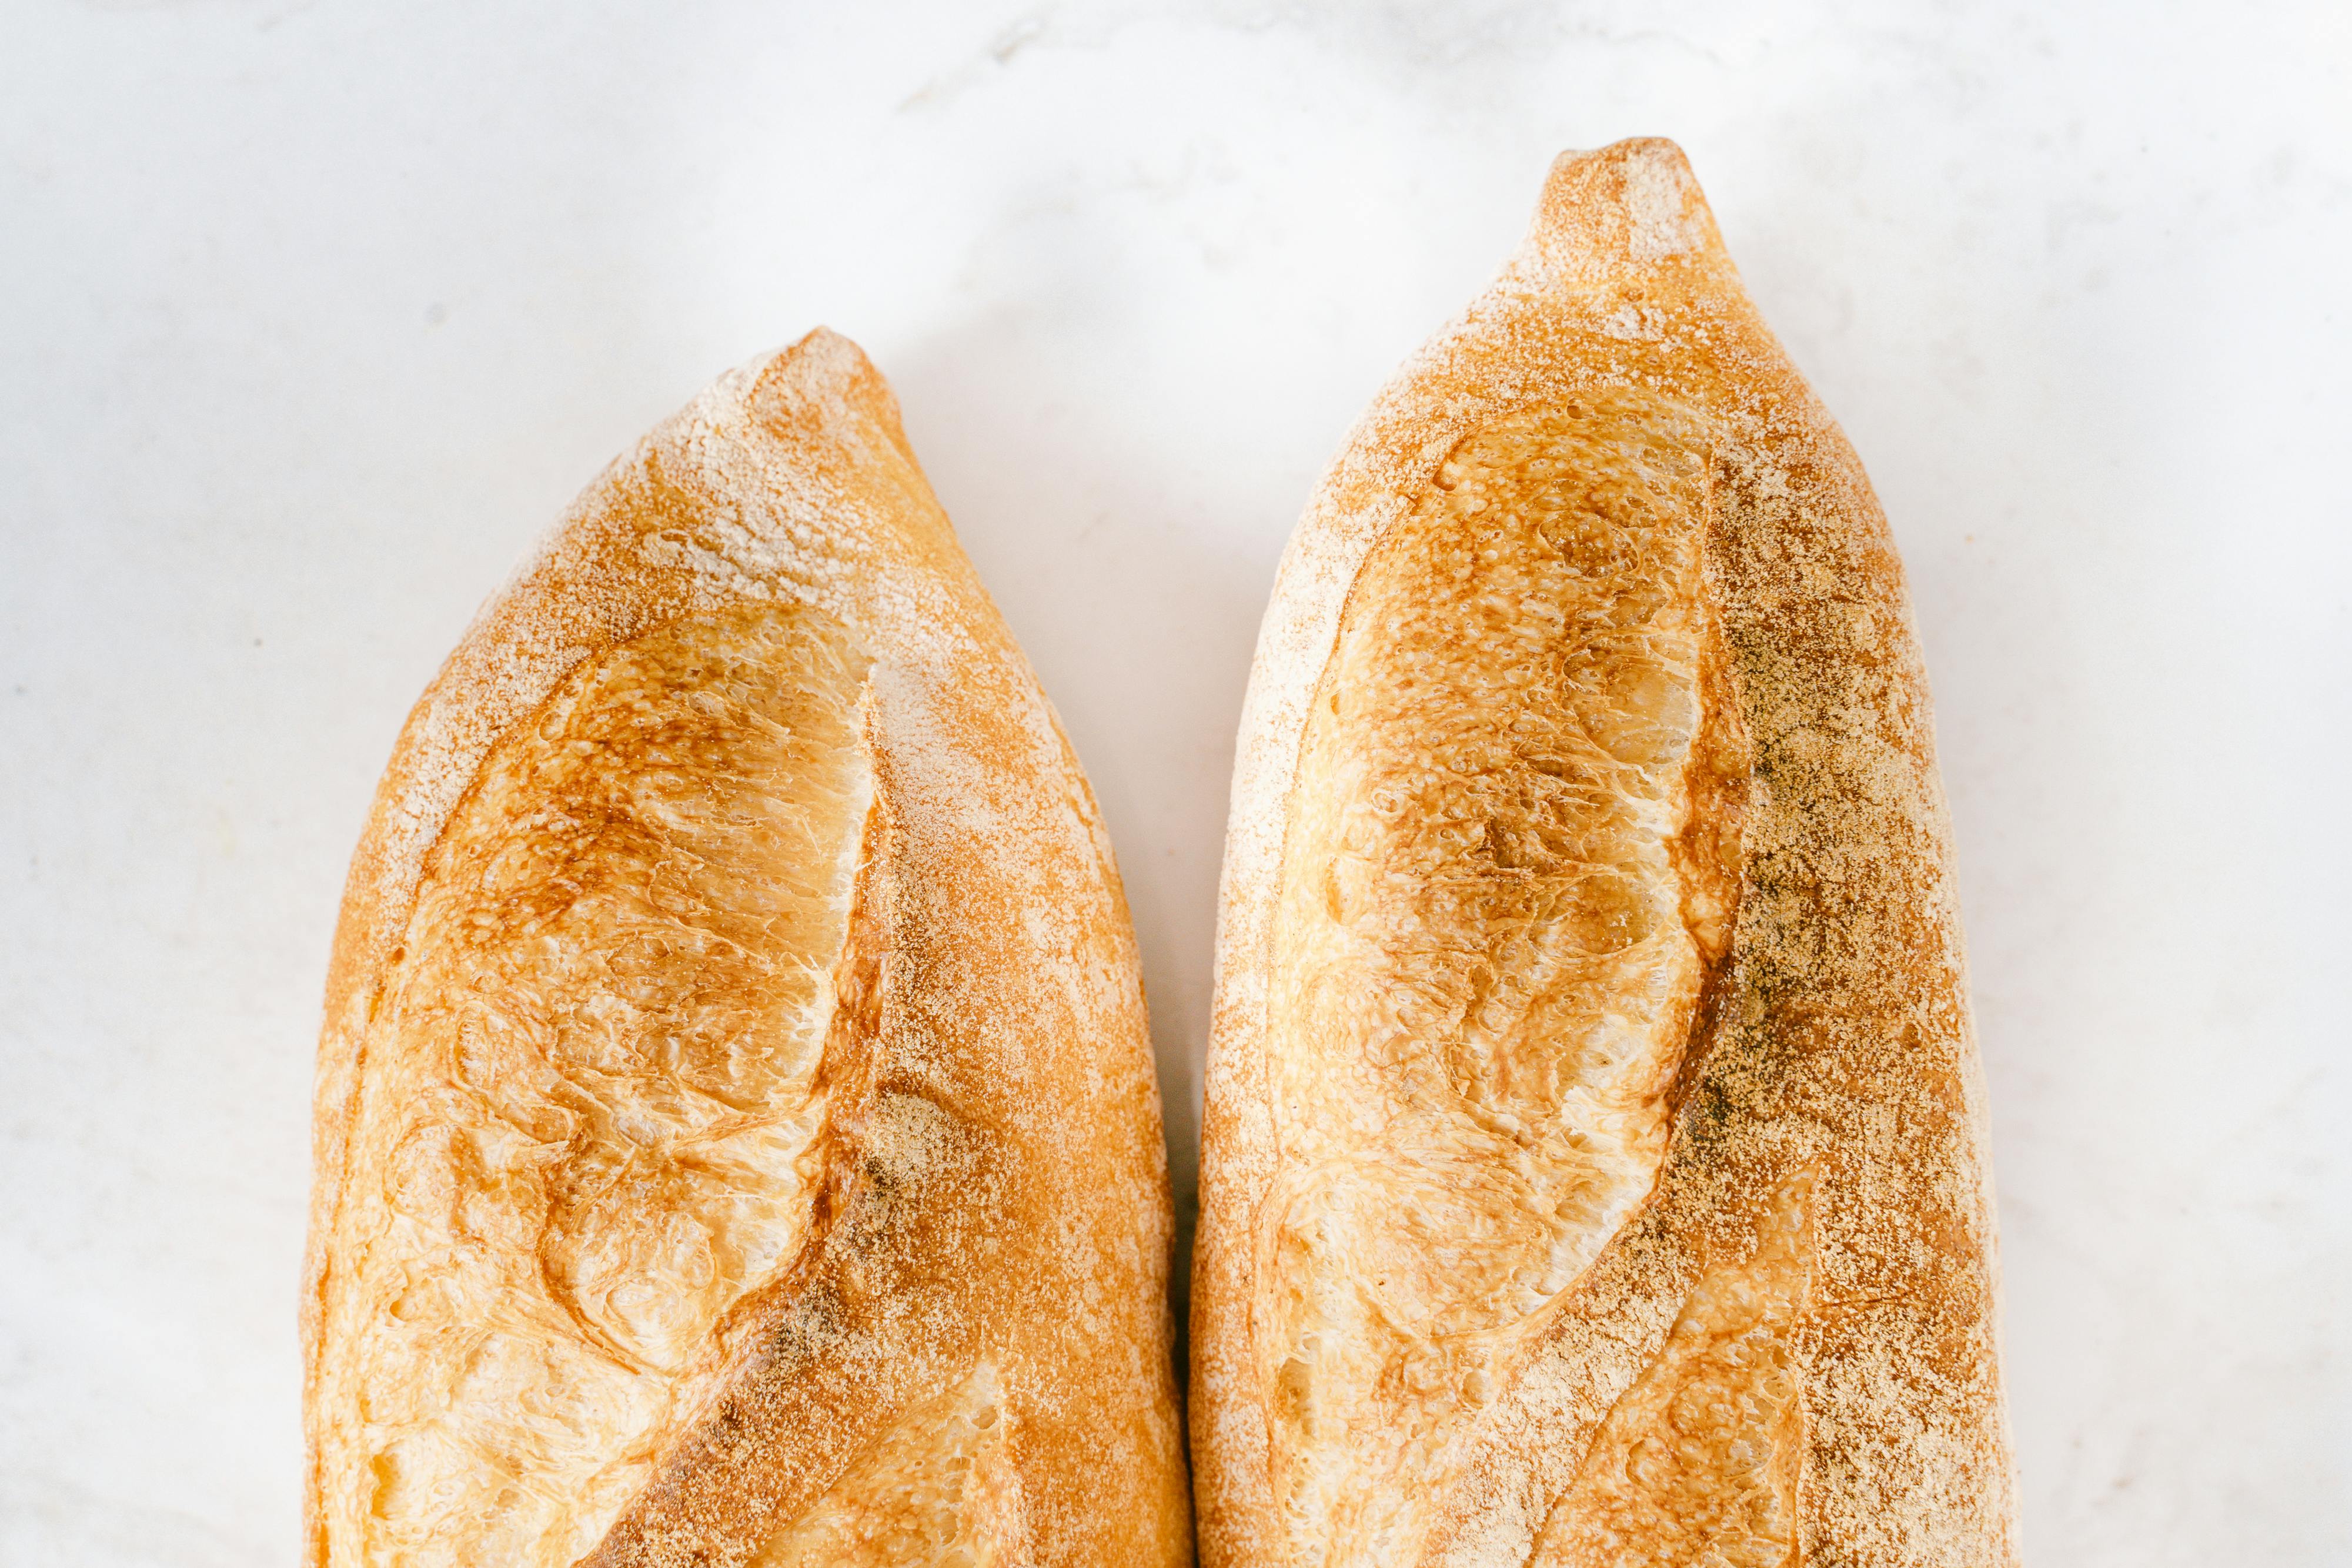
point(1658, 191)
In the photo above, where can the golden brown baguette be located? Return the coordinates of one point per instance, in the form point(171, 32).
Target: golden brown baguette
point(1595, 1169)
point(736, 1137)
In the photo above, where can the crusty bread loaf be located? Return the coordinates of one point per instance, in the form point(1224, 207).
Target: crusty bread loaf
point(736, 1137)
point(1595, 1169)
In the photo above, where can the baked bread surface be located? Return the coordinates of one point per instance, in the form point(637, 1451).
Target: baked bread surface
point(737, 1140)
point(1594, 1166)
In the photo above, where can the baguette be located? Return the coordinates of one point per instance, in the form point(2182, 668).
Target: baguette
point(737, 1140)
point(1594, 1166)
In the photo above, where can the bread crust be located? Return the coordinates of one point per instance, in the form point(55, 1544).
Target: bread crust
point(1783, 1347)
point(743, 758)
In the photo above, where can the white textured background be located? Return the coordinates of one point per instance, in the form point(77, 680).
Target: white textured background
point(311, 315)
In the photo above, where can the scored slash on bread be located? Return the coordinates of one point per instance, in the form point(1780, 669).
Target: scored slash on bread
point(1594, 1163)
point(737, 1140)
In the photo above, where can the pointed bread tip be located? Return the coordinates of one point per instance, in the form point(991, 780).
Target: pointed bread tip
point(817, 382)
point(1632, 204)
point(823, 356)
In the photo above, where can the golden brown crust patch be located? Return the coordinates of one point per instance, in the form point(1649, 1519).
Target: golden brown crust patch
point(591, 1100)
point(942, 1487)
point(1702, 1455)
point(1487, 960)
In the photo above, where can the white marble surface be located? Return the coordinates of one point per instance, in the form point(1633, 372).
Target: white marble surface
point(311, 315)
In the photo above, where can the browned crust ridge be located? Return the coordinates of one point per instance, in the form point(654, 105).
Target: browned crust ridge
point(1828, 1124)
